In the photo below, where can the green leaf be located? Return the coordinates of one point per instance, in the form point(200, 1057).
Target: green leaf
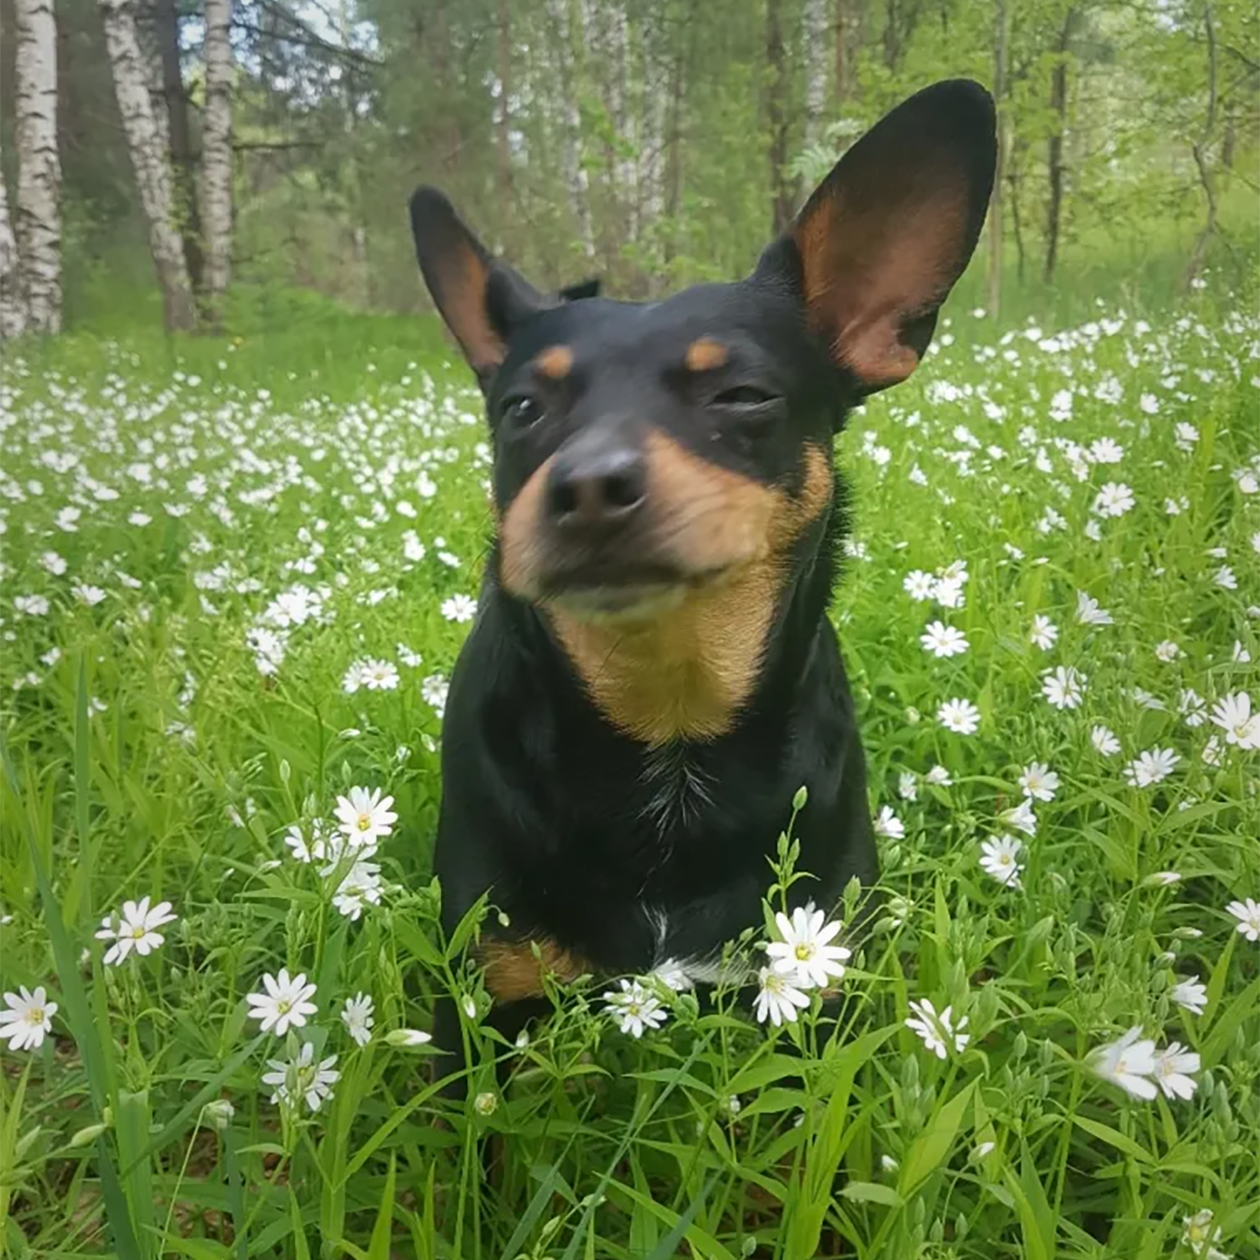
point(382, 1231)
point(1113, 1137)
point(931, 1148)
point(871, 1192)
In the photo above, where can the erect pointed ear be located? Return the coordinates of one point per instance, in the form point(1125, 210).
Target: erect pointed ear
point(885, 236)
point(480, 298)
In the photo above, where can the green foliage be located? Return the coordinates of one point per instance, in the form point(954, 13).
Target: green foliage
point(151, 757)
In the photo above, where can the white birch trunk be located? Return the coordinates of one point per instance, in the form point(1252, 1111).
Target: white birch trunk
point(817, 63)
point(39, 168)
point(12, 299)
point(149, 161)
point(575, 175)
point(216, 154)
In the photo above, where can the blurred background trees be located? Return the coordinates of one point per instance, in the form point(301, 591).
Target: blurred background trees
point(652, 142)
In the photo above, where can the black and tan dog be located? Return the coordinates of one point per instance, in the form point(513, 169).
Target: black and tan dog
point(652, 674)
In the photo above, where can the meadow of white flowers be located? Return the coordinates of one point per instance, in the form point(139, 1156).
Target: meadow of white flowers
point(231, 595)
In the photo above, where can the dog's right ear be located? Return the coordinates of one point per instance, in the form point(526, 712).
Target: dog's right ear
point(480, 298)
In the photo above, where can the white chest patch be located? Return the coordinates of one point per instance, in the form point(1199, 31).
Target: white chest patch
point(680, 790)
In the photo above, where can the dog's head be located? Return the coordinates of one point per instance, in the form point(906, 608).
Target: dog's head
point(648, 452)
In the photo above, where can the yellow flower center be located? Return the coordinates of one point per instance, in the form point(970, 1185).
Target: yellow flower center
point(137, 932)
point(804, 951)
point(364, 822)
point(284, 1007)
point(35, 1015)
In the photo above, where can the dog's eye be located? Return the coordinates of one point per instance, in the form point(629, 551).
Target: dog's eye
point(744, 396)
point(522, 412)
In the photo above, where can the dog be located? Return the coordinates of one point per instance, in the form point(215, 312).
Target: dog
point(652, 675)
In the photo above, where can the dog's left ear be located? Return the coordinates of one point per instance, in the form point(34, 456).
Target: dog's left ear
point(882, 240)
point(480, 298)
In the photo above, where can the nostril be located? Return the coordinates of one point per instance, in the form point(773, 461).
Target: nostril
point(623, 490)
point(564, 499)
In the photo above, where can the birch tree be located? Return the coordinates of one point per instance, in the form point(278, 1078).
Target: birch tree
point(149, 161)
point(216, 157)
point(12, 300)
point(38, 217)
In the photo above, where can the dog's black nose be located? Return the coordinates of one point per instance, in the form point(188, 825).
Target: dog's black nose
point(596, 484)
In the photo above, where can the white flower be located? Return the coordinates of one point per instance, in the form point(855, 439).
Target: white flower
point(1128, 1063)
point(1191, 706)
point(1063, 687)
point(1114, 499)
point(888, 824)
point(135, 928)
point(1039, 781)
point(943, 640)
point(634, 1009)
point(1106, 451)
point(938, 776)
point(316, 849)
point(1248, 915)
point(907, 786)
point(359, 887)
point(380, 675)
point(673, 975)
point(1212, 752)
point(960, 716)
point(1167, 651)
point(1173, 1066)
point(411, 659)
point(1200, 1236)
point(919, 585)
point(1104, 741)
point(1088, 612)
point(352, 679)
point(30, 605)
point(356, 1014)
point(1043, 633)
point(53, 562)
point(434, 690)
point(1240, 654)
point(778, 999)
point(459, 608)
point(27, 1019)
point(803, 952)
point(408, 1038)
point(365, 815)
point(1000, 859)
point(87, 594)
point(1021, 817)
point(948, 591)
point(1234, 716)
point(1151, 767)
point(301, 1078)
point(1190, 995)
point(1224, 577)
point(1186, 435)
point(936, 1030)
point(285, 1004)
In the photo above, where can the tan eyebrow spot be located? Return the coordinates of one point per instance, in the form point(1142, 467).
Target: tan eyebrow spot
point(704, 354)
point(555, 362)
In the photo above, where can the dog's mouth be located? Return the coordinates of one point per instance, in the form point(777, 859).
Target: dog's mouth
point(639, 593)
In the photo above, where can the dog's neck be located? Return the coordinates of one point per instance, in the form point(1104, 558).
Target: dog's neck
point(688, 674)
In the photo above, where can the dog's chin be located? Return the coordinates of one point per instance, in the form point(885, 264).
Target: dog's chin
point(626, 601)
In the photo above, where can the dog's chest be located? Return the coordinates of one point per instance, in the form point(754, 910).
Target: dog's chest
point(677, 789)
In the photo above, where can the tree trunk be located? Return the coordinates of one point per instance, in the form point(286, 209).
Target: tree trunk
point(1200, 150)
point(844, 53)
point(149, 163)
point(216, 156)
point(165, 21)
point(814, 33)
point(781, 202)
point(575, 177)
point(999, 174)
point(1013, 180)
point(503, 109)
point(39, 168)
point(1054, 147)
point(12, 299)
point(674, 144)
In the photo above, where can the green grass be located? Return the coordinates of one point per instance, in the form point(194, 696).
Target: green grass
point(147, 755)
